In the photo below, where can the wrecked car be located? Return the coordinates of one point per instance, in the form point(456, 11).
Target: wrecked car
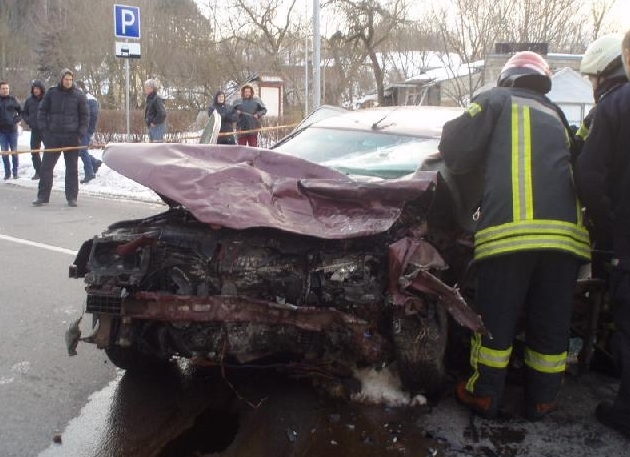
point(263, 257)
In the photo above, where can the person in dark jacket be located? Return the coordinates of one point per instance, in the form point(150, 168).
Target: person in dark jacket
point(602, 65)
point(29, 114)
point(63, 119)
point(228, 117)
point(90, 163)
point(10, 115)
point(602, 174)
point(529, 239)
point(249, 110)
point(154, 111)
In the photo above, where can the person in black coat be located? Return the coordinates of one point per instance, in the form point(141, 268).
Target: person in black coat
point(602, 177)
point(63, 119)
point(10, 115)
point(29, 114)
point(154, 111)
point(228, 117)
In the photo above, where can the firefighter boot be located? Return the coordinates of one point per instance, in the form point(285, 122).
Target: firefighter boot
point(483, 406)
point(536, 411)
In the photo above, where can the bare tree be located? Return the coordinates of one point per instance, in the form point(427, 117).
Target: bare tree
point(370, 24)
point(264, 26)
point(600, 12)
point(470, 28)
point(467, 30)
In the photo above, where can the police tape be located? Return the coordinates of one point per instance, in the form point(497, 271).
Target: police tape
point(261, 129)
point(63, 149)
point(102, 146)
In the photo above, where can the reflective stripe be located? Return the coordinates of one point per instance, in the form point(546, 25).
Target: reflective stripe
point(533, 243)
point(481, 355)
point(475, 346)
point(582, 131)
point(522, 195)
point(545, 363)
point(473, 109)
point(533, 227)
point(516, 202)
point(532, 235)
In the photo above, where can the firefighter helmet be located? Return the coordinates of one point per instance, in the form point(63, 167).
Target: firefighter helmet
point(526, 69)
point(603, 56)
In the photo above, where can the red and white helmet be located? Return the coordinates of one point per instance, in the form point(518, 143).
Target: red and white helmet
point(526, 69)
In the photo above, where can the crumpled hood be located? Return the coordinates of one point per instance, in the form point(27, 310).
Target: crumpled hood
point(242, 187)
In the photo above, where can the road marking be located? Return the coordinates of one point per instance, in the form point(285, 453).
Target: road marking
point(38, 245)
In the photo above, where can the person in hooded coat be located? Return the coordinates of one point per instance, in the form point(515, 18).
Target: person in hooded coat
point(29, 114)
point(228, 117)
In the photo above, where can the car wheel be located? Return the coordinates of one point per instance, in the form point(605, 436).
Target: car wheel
point(420, 346)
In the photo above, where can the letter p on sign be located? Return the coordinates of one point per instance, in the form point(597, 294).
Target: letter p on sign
point(126, 21)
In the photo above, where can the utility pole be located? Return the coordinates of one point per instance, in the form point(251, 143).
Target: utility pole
point(316, 56)
point(306, 61)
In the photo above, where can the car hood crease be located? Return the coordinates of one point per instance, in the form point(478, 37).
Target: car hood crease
point(242, 187)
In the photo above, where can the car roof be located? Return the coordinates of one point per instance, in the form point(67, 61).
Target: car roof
point(407, 120)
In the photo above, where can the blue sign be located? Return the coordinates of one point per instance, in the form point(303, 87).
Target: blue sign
point(126, 21)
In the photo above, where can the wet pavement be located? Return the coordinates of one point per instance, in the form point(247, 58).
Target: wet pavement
point(189, 411)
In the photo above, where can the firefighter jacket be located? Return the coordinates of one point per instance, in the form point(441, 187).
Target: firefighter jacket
point(603, 171)
point(517, 139)
point(603, 89)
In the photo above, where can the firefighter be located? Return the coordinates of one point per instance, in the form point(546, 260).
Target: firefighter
point(602, 174)
point(602, 64)
point(529, 237)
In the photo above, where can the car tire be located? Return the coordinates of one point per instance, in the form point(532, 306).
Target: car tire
point(420, 347)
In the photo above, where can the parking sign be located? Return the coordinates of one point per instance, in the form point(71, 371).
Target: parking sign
point(126, 21)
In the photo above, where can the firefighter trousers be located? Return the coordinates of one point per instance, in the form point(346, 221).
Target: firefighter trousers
point(538, 285)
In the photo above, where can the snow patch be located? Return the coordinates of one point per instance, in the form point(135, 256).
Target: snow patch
point(383, 387)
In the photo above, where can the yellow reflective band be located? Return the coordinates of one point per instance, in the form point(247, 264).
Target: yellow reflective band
point(494, 358)
point(473, 109)
point(527, 166)
point(532, 243)
point(522, 195)
point(582, 131)
point(533, 227)
point(516, 202)
point(475, 346)
point(545, 363)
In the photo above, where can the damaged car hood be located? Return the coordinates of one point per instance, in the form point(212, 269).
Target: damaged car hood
point(242, 187)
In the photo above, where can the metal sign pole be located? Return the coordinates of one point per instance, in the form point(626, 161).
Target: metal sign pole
point(317, 98)
point(127, 96)
point(127, 26)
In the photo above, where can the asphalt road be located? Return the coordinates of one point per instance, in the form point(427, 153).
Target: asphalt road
point(41, 388)
point(97, 410)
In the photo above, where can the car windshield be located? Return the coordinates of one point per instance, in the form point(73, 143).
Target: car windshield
point(321, 145)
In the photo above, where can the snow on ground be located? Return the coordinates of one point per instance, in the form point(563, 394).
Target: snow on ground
point(108, 183)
